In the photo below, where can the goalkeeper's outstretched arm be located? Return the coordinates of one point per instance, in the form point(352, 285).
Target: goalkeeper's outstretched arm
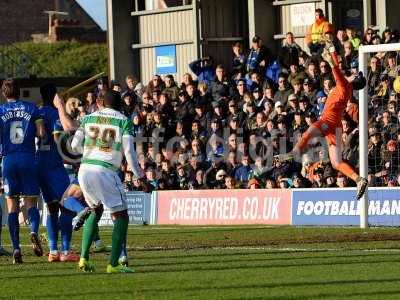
point(331, 58)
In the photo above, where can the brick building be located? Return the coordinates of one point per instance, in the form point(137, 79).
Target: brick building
point(19, 19)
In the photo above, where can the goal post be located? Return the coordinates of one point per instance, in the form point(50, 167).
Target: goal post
point(364, 52)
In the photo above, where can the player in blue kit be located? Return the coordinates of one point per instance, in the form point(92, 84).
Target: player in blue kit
point(20, 122)
point(54, 180)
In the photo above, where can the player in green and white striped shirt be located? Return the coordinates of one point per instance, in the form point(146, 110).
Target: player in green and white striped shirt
point(104, 137)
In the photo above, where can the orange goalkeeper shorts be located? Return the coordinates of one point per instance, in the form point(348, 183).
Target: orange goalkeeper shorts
point(330, 130)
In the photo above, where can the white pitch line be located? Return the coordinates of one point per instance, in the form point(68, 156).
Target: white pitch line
point(269, 249)
point(138, 228)
point(305, 249)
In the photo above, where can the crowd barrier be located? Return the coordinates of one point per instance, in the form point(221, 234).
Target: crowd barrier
point(313, 207)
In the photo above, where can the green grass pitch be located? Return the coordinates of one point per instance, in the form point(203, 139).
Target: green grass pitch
point(245, 262)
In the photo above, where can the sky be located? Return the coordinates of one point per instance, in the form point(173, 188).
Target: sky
point(97, 10)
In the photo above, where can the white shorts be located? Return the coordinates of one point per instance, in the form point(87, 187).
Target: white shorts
point(101, 185)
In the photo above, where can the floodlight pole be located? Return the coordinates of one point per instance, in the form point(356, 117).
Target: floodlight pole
point(363, 121)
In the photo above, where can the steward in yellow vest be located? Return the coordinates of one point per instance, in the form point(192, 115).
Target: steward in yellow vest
point(314, 37)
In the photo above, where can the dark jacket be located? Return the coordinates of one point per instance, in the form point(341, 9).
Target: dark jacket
point(290, 54)
point(219, 88)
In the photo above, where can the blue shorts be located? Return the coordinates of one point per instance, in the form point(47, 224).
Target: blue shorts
point(53, 182)
point(20, 175)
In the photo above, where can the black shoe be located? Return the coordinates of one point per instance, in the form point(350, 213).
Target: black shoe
point(82, 218)
point(17, 257)
point(36, 245)
point(362, 184)
point(4, 252)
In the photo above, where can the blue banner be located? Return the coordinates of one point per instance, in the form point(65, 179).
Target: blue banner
point(139, 209)
point(165, 59)
point(340, 207)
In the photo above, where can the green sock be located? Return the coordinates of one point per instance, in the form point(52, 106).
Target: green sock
point(96, 235)
point(118, 237)
point(89, 230)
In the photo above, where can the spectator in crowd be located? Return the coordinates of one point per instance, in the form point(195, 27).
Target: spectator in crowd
point(314, 36)
point(349, 54)
point(203, 68)
point(198, 182)
point(342, 38)
point(238, 61)
point(368, 35)
point(91, 105)
point(155, 84)
point(342, 181)
point(102, 86)
point(243, 172)
point(219, 87)
point(318, 178)
point(230, 183)
point(391, 69)
point(133, 87)
point(258, 56)
point(353, 38)
point(128, 105)
point(171, 89)
point(253, 184)
point(284, 90)
point(373, 76)
point(313, 75)
point(290, 51)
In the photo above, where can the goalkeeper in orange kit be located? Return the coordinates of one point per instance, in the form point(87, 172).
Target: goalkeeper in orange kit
point(329, 125)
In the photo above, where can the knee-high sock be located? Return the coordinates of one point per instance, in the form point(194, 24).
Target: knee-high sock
point(34, 219)
point(88, 232)
point(96, 236)
point(347, 170)
point(13, 226)
point(73, 204)
point(123, 250)
point(52, 230)
point(118, 236)
point(66, 228)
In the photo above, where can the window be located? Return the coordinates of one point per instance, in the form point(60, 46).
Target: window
point(160, 4)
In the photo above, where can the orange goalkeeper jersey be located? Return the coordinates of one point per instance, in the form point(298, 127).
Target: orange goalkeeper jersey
point(337, 99)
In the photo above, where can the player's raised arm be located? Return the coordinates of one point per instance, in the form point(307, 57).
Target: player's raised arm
point(67, 122)
point(331, 58)
point(129, 150)
point(79, 138)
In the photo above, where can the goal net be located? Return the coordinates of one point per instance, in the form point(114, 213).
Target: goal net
point(379, 134)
